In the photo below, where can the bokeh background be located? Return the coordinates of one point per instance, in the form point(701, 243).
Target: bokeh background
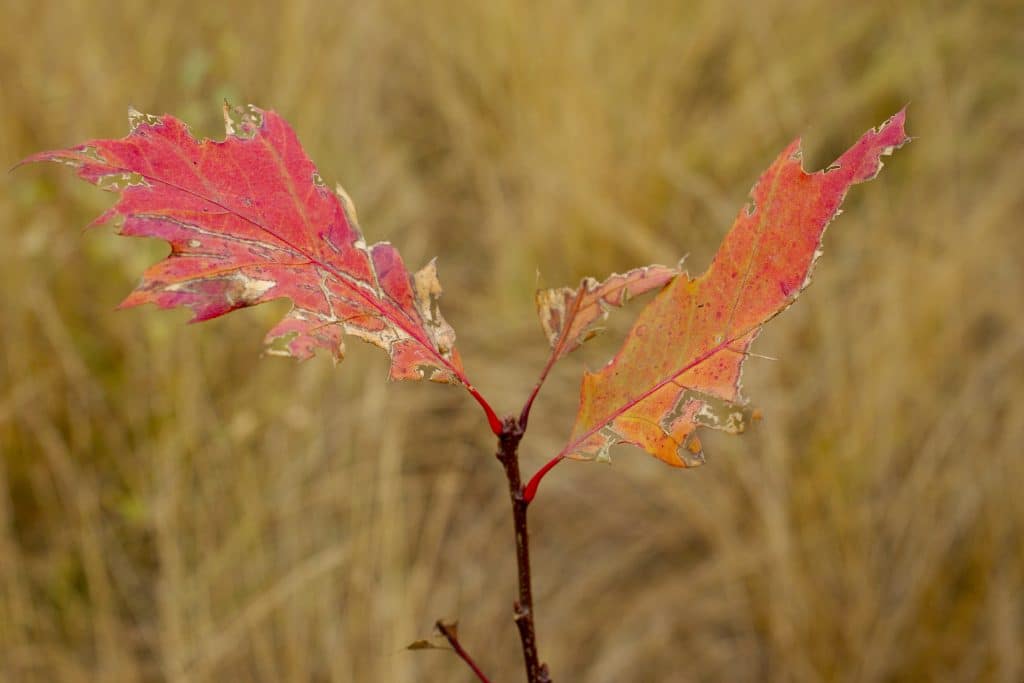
point(173, 507)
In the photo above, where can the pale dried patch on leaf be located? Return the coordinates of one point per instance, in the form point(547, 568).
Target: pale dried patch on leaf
point(428, 292)
point(348, 205)
point(240, 290)
point(242, 122)
point(136, 118)
point(115, 182)
point(247, 290)
point(597, 447)
point(692, 452)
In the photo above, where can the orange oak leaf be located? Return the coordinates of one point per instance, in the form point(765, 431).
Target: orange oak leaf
point(679, 366)
point(249, 220)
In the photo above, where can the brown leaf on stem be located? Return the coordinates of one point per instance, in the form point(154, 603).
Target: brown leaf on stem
point(570, 316)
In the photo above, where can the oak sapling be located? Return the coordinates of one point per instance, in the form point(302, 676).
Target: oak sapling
point(249, 220)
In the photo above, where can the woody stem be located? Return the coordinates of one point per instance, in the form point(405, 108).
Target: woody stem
point(508, 456)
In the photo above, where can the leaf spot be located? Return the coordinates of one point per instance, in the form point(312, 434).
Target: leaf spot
point(248, 290)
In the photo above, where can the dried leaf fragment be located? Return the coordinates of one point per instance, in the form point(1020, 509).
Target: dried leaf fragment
point(569, 316)
point(428, 645)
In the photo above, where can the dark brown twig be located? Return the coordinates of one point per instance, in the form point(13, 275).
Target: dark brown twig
point(508, 456)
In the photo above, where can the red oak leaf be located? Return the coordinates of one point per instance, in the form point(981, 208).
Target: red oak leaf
point(249, 220)
point(679, 367)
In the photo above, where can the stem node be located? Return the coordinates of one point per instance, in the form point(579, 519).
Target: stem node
point(522, 609)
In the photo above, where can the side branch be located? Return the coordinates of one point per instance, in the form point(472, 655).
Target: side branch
point(492, 418)
point(451, 635)
point(531, 486)
point(508, 456)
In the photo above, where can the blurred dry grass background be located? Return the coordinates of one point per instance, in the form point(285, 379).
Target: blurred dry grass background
point(175, 508)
